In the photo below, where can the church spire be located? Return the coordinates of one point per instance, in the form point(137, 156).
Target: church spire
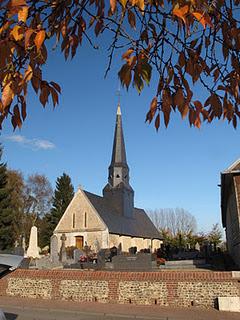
point(118, 191)
point(118, 169)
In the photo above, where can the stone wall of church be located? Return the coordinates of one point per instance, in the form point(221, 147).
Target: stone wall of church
point(233, 221)
point(168, 288)
point(127, 242)
point(79, 216)
point(156, 244)
point(114, 240)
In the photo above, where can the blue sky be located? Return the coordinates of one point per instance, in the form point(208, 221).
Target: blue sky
point(176, 167)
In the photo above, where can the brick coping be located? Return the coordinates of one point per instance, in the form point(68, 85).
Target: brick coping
point(123, 275)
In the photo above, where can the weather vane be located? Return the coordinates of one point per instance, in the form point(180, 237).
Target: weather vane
point(118, 94)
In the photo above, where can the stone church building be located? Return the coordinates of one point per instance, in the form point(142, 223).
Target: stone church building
point(109, 220)
point(230, 207)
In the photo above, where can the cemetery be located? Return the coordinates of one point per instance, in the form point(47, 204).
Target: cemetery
point(105, 250)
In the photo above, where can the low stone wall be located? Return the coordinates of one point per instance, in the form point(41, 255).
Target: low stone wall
point(166, 288)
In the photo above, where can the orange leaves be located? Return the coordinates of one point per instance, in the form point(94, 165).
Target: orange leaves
point(151, 113)
point(28, 74)
point(23, 14)
point(7, 95)
point(46, 90)
point(39, 39)
point(28, 35)
point(113, 4)
point(17, 33)
point(203, 18)
point(123, 3)
point(140, 4)
point(181, 12)
point(184, 12)
point(131, 19)
point(17, 3)
point(139, 66)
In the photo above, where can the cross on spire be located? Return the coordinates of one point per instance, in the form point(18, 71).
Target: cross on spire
point(118, 94)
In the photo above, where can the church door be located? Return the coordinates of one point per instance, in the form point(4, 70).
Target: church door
point(79, 242)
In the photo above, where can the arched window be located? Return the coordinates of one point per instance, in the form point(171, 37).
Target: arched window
point(73, 221)
point(85, 219)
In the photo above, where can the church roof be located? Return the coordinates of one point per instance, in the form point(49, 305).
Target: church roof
point(138, 226)
point(119, 152)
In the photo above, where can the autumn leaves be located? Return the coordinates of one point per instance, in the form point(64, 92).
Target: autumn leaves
point(22, 53)
point(193, 9)
point(186, 42)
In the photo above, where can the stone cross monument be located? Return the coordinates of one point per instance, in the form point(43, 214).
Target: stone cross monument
point(63, 254)
point(33, 251)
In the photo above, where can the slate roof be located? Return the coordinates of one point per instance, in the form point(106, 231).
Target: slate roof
point(138, 226)
point(119, 152)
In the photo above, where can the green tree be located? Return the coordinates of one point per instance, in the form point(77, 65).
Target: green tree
point(15, 185)
point(63, 194)
point(7, 234)
point(215, 235)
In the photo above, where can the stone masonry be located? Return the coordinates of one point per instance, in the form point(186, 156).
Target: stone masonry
point(166, 288)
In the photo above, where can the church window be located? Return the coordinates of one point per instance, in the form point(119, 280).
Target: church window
point(73, 221)
point(85, 219)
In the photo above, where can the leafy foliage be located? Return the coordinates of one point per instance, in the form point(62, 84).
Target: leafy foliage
point(215, 235)
point(63, 194)
point(189, 43)
point(15, 185)
point(7, 214)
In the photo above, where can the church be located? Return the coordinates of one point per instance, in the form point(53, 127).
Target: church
point(109, 220)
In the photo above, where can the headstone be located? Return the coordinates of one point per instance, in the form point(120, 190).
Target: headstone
point(54, 249)
point(197, 246)
point(101, 258)
point(63, 254)
point(119, 249)
point(138, 262)
point(33, 251)
point(77, 253)
point(18, 251)
point(96, 246)
point(24, 243)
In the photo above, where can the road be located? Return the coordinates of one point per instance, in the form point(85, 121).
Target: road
point(35, 309)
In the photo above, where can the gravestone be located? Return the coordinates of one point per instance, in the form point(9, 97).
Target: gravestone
point(33, 250)
point(63, 254)
point(54, 249)
point(24, 244)
point(77, 253)
point(18, 251)
point(96, 246)
point(119, 249)
point(139, 262)
point(197, 246)
point(101, 258)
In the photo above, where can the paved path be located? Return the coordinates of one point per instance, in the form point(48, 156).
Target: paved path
point(34, 309)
